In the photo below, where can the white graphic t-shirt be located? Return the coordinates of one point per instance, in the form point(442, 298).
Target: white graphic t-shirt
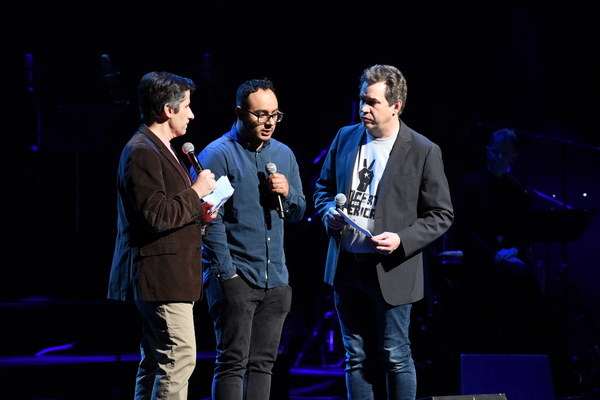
point(371, 160)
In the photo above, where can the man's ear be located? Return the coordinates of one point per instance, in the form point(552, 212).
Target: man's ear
point(168, 111)
point(239, 112)
point(397, 107)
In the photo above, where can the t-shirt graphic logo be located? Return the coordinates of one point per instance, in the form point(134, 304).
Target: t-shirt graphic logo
point(365, 176)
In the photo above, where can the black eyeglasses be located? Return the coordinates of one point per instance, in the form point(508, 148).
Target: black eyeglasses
point(264, 118)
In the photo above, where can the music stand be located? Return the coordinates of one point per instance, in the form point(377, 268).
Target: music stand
point(557, 225)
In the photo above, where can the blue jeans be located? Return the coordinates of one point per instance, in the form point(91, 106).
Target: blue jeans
point(248, 322)
point(375, 335)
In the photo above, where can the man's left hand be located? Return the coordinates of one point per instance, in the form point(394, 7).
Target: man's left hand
point(386, 242)
point(208, 216)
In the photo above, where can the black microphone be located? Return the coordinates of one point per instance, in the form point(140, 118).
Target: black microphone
point(188, 149)
point(271, 169)
point(340, 199)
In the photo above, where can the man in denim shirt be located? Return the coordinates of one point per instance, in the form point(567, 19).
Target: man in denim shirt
point(245, 275)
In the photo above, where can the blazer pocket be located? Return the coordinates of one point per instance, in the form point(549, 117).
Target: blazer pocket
point(158, 249)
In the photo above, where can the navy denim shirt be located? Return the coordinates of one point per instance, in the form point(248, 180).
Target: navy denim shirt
point(247, 236)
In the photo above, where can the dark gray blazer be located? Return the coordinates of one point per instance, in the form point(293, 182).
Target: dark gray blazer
point(413, 201)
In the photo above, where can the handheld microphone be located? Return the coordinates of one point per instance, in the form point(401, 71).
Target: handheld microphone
point(188, 149)
point(271, 169)
point(340, 199)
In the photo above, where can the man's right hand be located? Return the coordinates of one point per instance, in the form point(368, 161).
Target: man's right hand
point(205, 183)
point(507, 255)
point(334, 219)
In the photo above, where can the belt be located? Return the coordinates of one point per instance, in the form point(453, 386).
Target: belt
point(362, 256)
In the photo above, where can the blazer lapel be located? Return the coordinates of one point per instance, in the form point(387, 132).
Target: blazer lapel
point(396, 159)
point(350, 149)
point(175, 162)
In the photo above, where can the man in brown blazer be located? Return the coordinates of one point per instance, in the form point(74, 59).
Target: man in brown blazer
point(157, 260)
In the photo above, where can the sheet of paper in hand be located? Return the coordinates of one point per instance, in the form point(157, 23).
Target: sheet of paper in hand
point(354, 224)
point(221, 194)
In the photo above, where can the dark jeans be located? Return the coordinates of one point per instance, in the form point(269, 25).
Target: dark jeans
point(375, 336)
point(248, 322)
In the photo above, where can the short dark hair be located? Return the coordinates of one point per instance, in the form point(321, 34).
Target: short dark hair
point(159, 88)
point(504, 134)
point(395, 83)
point(249, 87)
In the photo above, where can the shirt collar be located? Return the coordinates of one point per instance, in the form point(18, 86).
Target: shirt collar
point(238, 137)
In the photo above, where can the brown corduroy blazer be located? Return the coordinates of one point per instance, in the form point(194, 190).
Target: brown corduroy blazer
point(157, 252)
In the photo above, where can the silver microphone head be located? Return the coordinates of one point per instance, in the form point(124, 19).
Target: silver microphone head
point(340, 199)
point(271, 168)
point(187, 148)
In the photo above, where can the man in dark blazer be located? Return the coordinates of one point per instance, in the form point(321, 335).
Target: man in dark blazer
point(157, 260)
point(396, 188)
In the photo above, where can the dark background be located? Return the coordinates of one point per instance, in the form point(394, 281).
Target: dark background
point(470, 66)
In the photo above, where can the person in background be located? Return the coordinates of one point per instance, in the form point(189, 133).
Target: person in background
point(491, 230)
point(161, 222)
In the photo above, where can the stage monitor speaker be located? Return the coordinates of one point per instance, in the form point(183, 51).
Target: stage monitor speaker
point(519, 376)
point(499, 396)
